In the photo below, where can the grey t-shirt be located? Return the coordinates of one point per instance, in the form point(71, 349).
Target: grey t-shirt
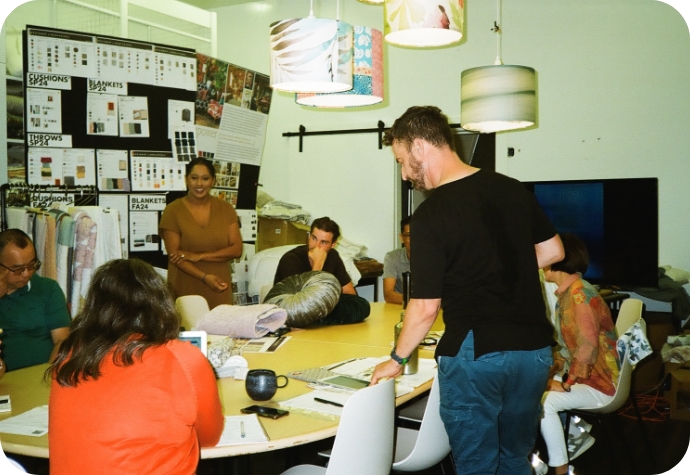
point(394, 264)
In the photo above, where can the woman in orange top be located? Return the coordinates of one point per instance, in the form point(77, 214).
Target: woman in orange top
point(127, 396)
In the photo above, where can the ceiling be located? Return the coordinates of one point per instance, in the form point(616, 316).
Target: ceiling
point(210, 4)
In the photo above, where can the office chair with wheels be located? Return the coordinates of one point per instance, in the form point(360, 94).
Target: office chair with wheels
point(630, 313)
point(421, 449)
point(364, 441)
point(191, 308)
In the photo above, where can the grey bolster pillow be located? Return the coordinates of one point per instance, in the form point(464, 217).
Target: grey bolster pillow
point(306, 297)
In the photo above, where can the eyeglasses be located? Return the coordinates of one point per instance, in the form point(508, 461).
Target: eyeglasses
point(34, 266)
point(405, 235)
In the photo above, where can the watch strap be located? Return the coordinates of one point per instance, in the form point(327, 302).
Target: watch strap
point(398, 359)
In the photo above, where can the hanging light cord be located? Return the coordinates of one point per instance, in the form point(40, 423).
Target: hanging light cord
point(497, 30)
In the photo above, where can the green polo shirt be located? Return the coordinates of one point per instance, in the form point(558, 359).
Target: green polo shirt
point(27, 316)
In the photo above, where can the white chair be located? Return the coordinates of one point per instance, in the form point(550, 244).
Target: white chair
point(9, 466)
point(191, 308)
point(630, 313)
point(364, 441)
point(421, 449)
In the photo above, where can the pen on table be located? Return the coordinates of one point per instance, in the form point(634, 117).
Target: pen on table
point(326, 401)
point(243, 434)
point(331, 368)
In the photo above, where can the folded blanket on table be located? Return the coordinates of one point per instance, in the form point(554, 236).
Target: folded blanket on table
point(252, 321)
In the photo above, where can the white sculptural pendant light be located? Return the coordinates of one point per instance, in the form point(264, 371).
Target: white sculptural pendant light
point(307, 55)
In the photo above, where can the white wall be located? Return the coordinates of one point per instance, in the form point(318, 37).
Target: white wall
point(614, 101)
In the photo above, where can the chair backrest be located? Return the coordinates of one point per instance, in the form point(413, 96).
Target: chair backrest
point(429, 445)
point(630, 313)
point(191, 308)
point(364, 441)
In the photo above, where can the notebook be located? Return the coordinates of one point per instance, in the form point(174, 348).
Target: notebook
point(324, 375)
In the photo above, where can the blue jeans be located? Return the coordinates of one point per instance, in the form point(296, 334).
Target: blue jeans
point(491, 407)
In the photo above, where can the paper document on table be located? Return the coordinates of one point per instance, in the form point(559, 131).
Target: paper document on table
point(329, 402)
point(33, 423)
point(426, 371)
point(267, 344)
point(236, 426)
point(362, 368)
point(358, 368)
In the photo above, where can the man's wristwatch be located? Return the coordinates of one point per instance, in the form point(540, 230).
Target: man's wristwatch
point(398, 359)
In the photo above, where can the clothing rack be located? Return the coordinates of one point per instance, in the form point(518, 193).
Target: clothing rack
point(22, 194)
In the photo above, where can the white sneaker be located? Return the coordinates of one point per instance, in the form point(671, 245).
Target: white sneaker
point(579, 445)
point(579, 424)
point(540, 468)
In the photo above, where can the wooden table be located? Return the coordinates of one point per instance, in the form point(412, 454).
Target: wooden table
point(306, 349)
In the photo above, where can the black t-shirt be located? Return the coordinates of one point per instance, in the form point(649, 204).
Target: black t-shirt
point(472, 246)
point(296, 261)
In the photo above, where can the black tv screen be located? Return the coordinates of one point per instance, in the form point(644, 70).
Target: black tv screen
point(618, 221)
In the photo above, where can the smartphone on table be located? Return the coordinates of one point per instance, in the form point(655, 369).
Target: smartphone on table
point(264, 411)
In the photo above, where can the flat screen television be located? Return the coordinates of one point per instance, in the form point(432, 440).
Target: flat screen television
point(618, 221)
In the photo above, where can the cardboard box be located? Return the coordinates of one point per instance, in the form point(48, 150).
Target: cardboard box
point(679, 395)
point(279, 232)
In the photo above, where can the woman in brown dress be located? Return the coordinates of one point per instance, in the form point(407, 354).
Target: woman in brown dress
point(201, 235)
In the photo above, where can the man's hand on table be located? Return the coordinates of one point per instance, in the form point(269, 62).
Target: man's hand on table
point(386, 370)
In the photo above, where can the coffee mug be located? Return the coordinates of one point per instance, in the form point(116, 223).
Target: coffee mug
point(262, 384)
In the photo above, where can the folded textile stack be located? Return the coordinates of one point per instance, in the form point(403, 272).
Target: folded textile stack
point(282, 210)
point(226, 364)
point(252, 321)
point(368, 265)
point(345, 247)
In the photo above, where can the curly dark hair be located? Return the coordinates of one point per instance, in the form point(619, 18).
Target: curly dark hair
point(128, 308)
point(326, 224)
point(420, 122)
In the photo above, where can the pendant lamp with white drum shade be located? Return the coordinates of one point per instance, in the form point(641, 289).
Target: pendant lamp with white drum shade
point(423, 23)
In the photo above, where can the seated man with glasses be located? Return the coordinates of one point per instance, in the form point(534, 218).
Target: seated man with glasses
point(33, 310)
point(395, 263)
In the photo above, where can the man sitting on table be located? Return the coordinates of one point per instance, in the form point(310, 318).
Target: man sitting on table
point(318, 255)
point(395, 264)
point(33, 310)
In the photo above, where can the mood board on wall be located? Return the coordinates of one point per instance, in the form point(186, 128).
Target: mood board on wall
point(126, 116)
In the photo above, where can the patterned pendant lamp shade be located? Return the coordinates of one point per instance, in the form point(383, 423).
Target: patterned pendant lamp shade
point(423, 23)
point(368, 78)
point(497, 98)
point(311, 55)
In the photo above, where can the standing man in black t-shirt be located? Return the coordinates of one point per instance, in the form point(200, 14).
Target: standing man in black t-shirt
point(477, 244)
